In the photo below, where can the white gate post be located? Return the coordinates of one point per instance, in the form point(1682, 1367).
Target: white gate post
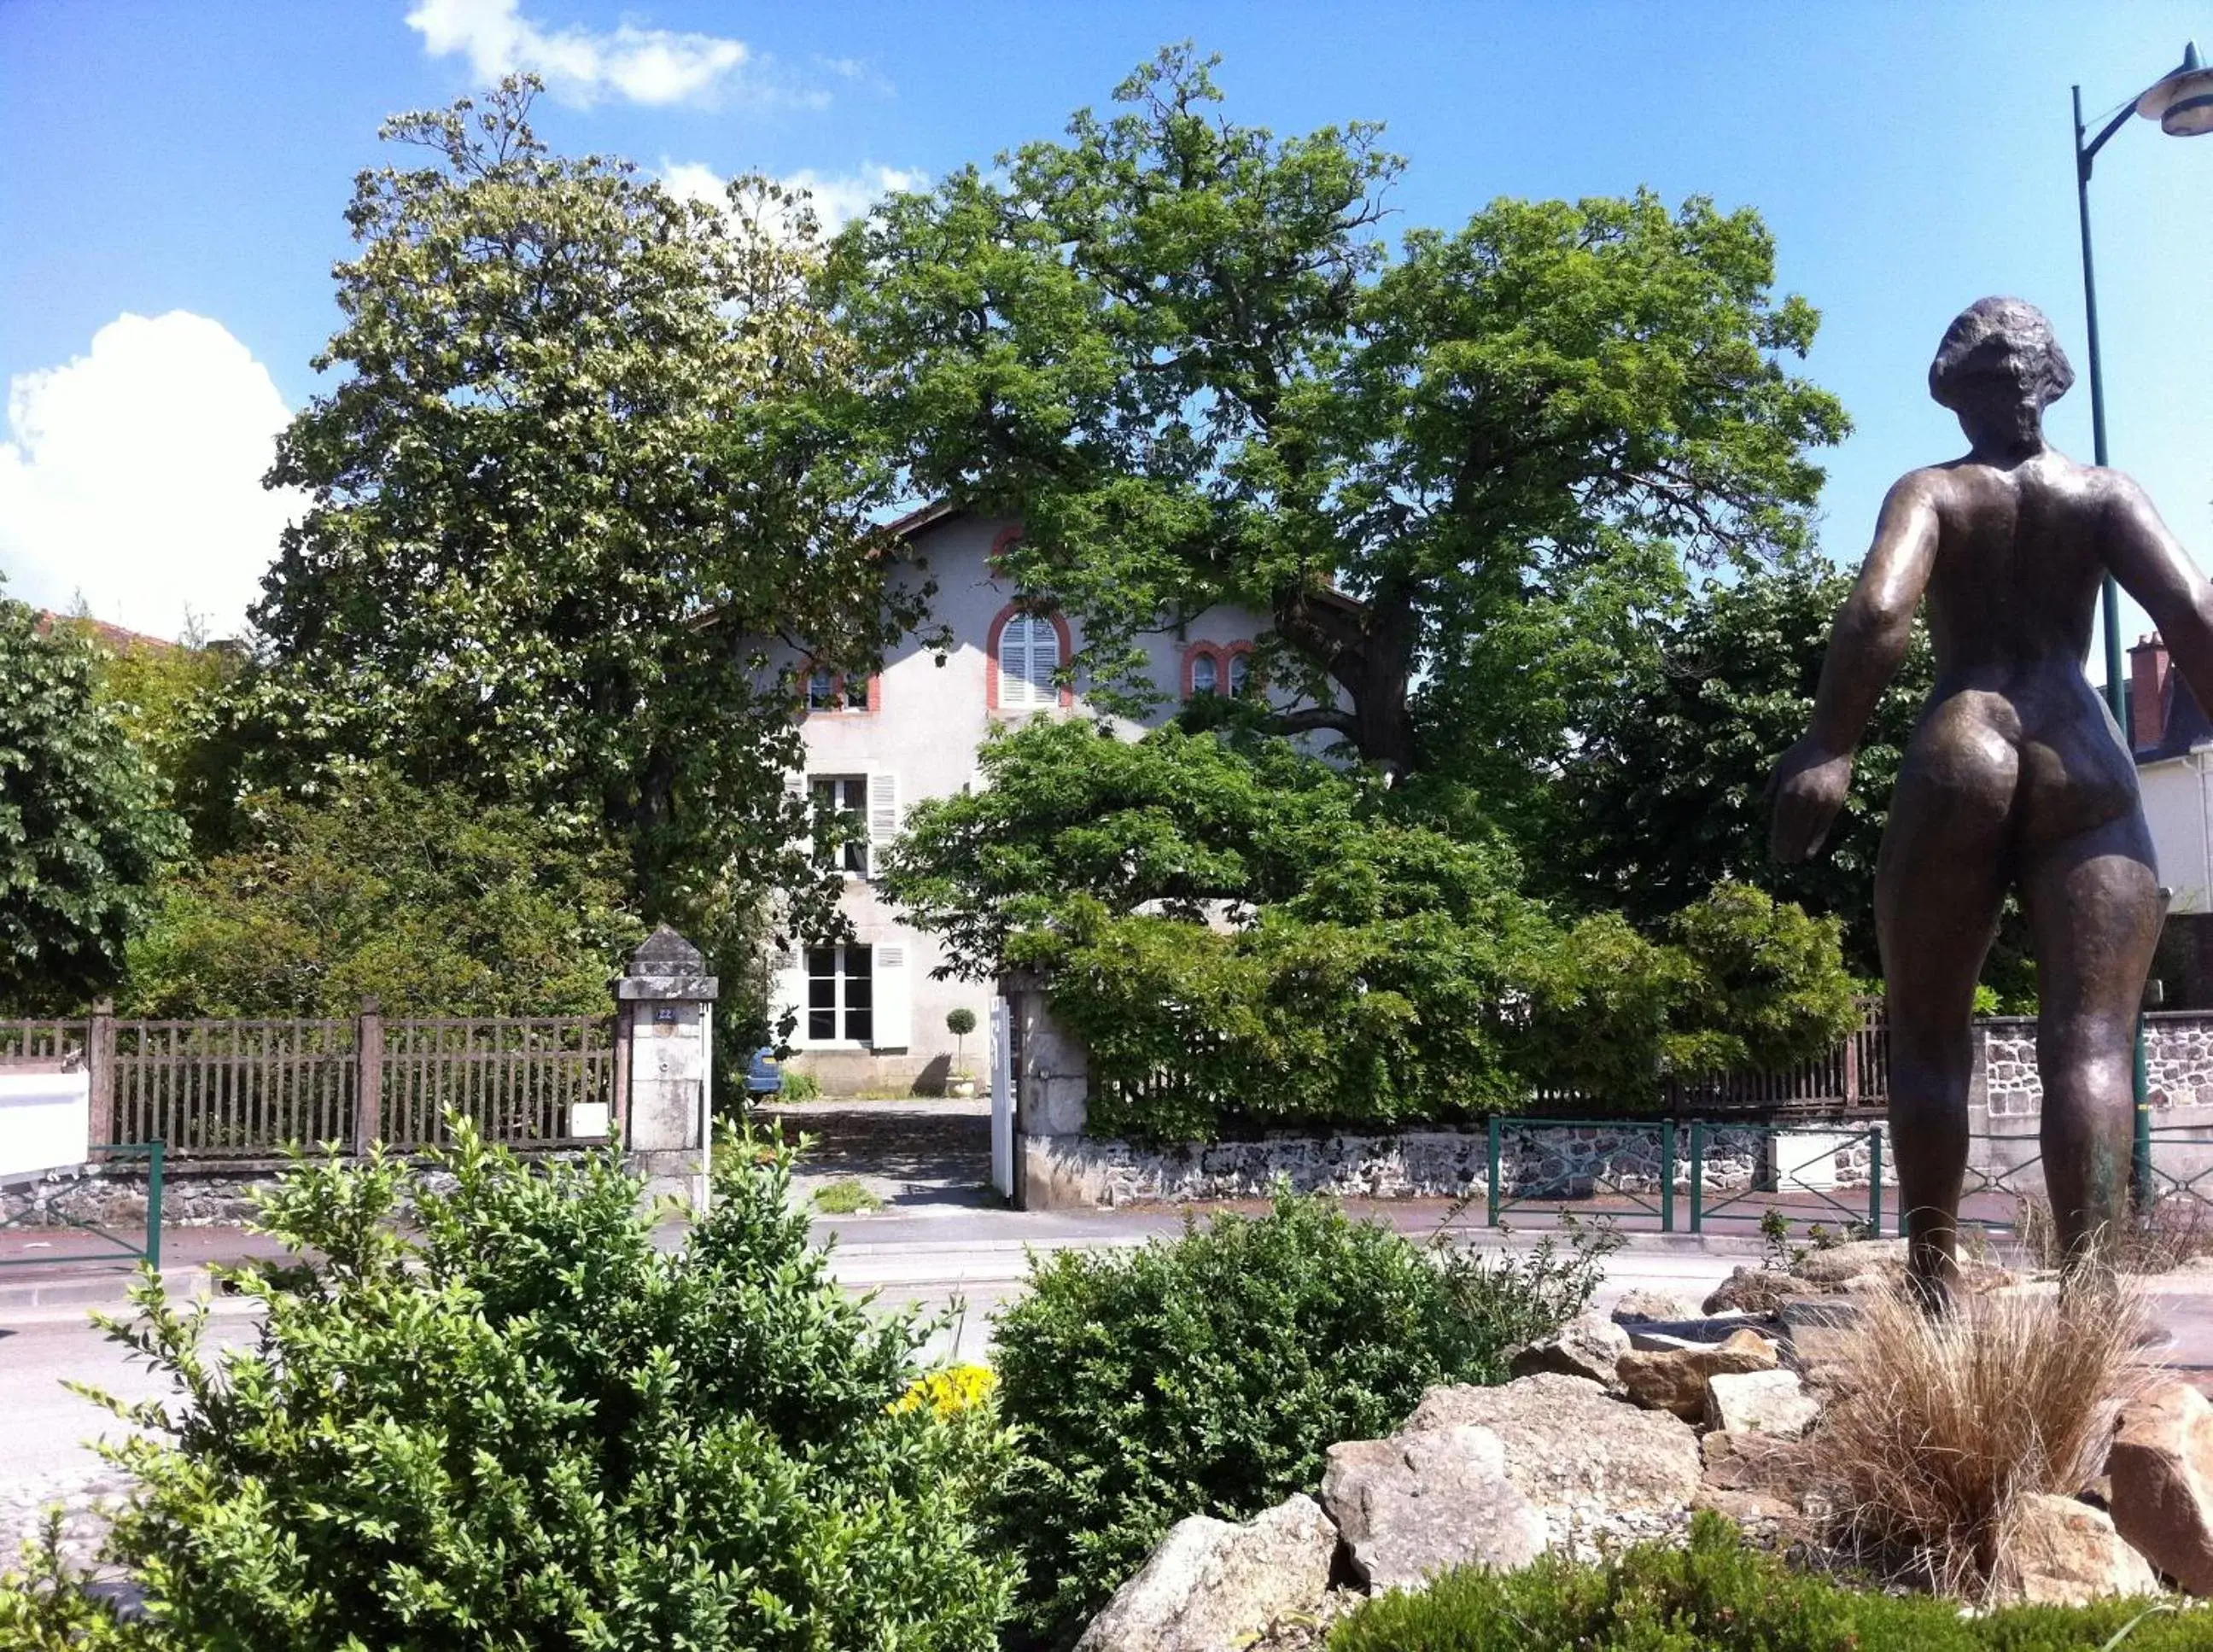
point(1003, 1100)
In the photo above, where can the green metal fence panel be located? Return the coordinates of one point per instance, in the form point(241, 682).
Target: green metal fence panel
point(110, 1245)
point(1660, 1202)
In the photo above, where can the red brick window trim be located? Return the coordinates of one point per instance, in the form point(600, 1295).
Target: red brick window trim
point(823, 693)
point(1226, 671)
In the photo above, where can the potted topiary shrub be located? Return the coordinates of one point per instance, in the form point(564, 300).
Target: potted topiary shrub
point(960, 1081)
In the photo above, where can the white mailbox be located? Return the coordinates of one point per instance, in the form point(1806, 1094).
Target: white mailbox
point(45, 1120)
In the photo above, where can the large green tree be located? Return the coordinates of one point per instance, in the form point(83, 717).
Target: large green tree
point(570, 488)
point(1244, 935)
point(84, 827)
point(1678, 727)
point(433, 901)
point(1183, 351)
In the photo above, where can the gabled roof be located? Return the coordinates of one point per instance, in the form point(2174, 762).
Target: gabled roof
point(117, 639)
point(923, 516)
point(2183, 728)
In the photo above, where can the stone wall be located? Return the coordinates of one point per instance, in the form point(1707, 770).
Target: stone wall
point(195, 1193)
point(2178, 1062)
point(1538, 1165)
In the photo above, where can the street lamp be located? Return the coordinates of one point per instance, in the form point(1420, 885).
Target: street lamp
point(2181, 100)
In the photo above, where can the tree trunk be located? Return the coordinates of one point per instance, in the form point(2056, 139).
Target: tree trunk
point(1368, 650)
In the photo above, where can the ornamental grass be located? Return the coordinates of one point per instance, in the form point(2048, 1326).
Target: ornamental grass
point(1943, 1425)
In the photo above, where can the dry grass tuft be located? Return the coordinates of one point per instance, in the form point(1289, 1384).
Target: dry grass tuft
point(1942, 1426)
point(2155, 1238)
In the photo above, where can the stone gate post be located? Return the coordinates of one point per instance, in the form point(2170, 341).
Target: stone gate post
point(671, 999)
point(1053, 1093)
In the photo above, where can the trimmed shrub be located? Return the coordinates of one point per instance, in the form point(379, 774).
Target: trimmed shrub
point(1209, 1375)
point(517, 1423)
point(1717, 1596)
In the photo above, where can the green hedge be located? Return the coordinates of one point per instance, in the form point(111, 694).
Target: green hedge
point(1718, 1596)
point(1209, 1375)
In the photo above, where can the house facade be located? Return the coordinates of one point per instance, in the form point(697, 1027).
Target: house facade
point(870, 1015)
point(2172, 741)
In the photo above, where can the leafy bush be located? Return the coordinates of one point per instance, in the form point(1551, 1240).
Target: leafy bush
point(1209, 1375)
point(1717, 1596)
point(436, 902)
point(84, 826)
point(1248, 938)
point(520, 1424)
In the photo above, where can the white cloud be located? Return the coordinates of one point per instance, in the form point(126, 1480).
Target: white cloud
point(838, 199)
point(132, 475)
point(579, 65)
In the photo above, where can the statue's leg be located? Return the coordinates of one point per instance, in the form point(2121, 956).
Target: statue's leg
point(1940, 884)
point(2094, 912)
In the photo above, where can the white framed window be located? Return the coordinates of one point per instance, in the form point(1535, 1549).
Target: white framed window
point(1205, 676)
point(841, 996)
point(1241, 672)
point(1029, 654)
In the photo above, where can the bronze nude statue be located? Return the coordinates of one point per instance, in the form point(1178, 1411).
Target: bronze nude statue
point(2015, 778)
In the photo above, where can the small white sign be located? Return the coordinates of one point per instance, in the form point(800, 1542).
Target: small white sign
point(588, 1119)
point(46, 1121)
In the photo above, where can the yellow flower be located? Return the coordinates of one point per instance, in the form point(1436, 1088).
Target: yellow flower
point(949, 1391)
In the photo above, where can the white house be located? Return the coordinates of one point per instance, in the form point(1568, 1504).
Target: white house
point(870, 1016)
point(2174, 744)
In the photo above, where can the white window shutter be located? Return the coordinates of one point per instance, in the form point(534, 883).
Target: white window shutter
point(1045, 659)
point(1014, 657)
point(794, 791)
point(883, 813)
point(894, 1014)
point(787, 995)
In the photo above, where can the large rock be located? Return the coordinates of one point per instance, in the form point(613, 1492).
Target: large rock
point(2162, 1472)
point(1832, 1264)
point(2064, 1554)
point(1418, 1503)
point(1675, 1379)
point(1760, 1402)
point(1754, 1291)
point(1587, 1346)
point(1592, 1465)
point(1652, 1305)
point(1211, 1586)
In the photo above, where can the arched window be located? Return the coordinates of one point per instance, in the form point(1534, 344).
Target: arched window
point(1205, 674)
point(1241, 670)
point(1027, 649)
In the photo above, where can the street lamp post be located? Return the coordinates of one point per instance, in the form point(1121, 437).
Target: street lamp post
point(2181, 100)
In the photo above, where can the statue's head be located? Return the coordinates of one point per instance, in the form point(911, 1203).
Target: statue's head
point(2000, 365)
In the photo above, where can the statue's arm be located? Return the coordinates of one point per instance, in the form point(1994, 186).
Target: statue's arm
point(1866, 645)
point(2152, 567)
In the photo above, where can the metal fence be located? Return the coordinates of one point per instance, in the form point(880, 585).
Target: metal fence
point(1714, 1171)
point(253, 1088)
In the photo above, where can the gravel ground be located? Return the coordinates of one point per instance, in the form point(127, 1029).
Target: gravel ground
point(85, 1495)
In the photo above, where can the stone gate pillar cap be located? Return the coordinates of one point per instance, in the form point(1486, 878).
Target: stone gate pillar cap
point(667, 966)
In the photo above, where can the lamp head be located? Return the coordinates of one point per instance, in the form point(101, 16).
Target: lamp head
point(2182, 103)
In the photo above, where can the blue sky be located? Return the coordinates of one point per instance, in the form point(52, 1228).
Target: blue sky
point(189, 164)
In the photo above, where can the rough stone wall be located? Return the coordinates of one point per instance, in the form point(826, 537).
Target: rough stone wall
point(194, 1193)
point(2178, 1061)
point(2011, 1089)
point(1571, 1163)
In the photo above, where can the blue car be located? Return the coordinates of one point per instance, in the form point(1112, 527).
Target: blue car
point(763, 1076)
